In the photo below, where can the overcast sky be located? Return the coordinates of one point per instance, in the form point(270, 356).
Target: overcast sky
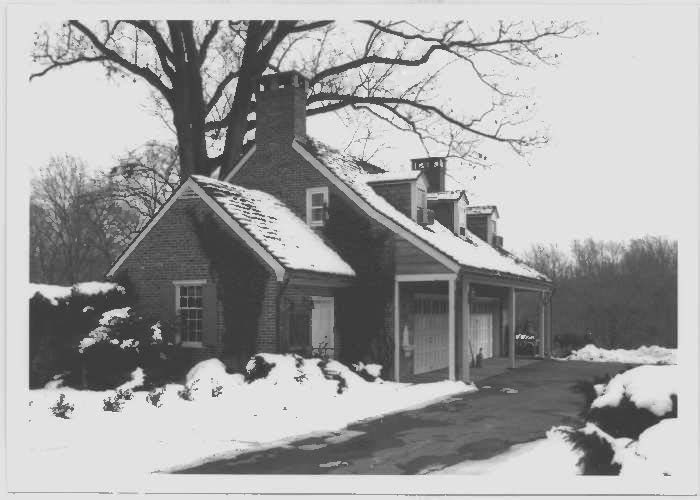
point(621, 109)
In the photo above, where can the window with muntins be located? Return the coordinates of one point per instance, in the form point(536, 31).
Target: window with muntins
point(316, 206)
point(190, 312)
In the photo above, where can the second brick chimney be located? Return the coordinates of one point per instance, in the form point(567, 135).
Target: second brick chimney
point(434, 169)
point(280, 108)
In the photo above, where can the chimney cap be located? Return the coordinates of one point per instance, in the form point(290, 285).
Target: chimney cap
point(428, 162)
point(273, 81)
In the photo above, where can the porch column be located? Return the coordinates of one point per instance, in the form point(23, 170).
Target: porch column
point(397, 331)
point(466, 334)
point(549, 323)
point(512, 327)
point(543, 302)
point(451, 327)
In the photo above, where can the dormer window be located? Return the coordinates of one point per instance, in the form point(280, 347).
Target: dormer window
point(316, 206)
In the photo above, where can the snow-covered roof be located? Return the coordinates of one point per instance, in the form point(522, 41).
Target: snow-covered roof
point(470, 252)
point(445, 195)
point(397, 176)
point(276, 228)
point(482, 210)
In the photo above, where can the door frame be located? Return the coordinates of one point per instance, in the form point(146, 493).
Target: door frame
point(318, 300)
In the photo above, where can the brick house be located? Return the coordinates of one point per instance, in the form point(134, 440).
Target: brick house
point(301, 248)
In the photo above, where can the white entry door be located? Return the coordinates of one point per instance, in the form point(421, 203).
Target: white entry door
point(430, 333)
point(322, 322)
point(481, 330)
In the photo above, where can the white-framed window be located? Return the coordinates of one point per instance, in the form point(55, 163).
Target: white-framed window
point(190, 311)
point(316, 206)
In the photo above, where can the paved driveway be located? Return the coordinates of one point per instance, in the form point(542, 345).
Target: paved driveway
point(471, 426)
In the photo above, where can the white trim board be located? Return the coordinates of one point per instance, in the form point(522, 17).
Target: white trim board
point(373, 212)
point(240, 164)
point(425, 277)
point(225, 217)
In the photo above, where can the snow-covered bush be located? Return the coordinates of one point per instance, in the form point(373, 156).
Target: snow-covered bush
point(62, 408)
point(59, 317)
point(113, 404)
point(125, 394)
point(188, 391)
point(620, 416)
point(258, 367)
point(370, 372)
point(154, 397)
point(122, 342)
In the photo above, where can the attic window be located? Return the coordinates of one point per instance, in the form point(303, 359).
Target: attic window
point(316, 206)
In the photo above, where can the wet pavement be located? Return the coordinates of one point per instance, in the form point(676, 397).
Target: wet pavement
point(470, 426)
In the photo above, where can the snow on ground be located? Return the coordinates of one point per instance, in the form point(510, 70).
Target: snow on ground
point(645, 355)
point(53, 293)
point(289, 403)
point(548, 457)
point(654, 453)
point(649, 387)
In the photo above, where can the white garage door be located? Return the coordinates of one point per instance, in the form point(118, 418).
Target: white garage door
point(430, 333)
point(482, 334)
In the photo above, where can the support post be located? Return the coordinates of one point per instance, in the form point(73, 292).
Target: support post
point(451, 328)
point(466, 331)
point(550, 341)
point(512, 327)
point(543, 304)
point(397, 331)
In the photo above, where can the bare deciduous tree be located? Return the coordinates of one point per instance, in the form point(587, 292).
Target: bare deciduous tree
point(76, 228)
point(203, 74)
point(146, 177)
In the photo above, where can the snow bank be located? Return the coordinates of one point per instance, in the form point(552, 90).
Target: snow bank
point(656, 452)
point(550, 457)
point(53, 293)
point(299, 397)
point(649, 387)
point(645, 355)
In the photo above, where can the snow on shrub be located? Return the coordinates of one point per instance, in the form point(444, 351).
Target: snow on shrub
point(154, 397)
point(157, 333)
point(114, 316)
point(646, 355)
point(113, 404)
point(650, 387)
point(210, 376)
point(655, 452)
point(369, 372)
point(55, 293)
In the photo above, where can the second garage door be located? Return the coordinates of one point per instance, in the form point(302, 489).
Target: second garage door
point(430, 333)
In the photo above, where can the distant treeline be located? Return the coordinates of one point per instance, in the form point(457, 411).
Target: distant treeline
point(625, 294)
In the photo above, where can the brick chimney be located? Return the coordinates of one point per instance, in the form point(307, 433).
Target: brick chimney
point(434, 169)
point(280, 108)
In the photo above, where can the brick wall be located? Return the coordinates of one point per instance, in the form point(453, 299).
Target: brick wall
point(282, 172)
point(171, 252)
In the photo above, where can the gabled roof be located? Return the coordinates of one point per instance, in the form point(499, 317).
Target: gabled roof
point(456, 252)
point(446, 195)
point(482, 210)
point(271, 229)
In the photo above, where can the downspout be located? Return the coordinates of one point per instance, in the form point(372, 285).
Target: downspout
point(278, 310)
point(549, 313)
